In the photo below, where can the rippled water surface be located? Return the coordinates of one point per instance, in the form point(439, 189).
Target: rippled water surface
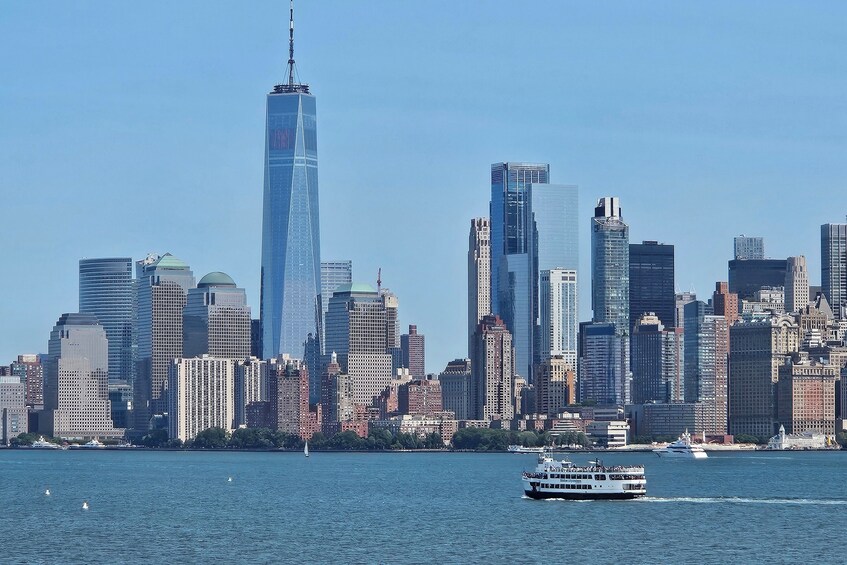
point(170, 507)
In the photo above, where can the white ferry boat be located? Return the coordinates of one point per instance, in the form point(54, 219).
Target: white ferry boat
point(595, 481)
point(522, 449)
point(41, 443)
point(682, 449)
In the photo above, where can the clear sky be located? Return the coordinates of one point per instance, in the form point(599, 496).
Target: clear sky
point(127, 128)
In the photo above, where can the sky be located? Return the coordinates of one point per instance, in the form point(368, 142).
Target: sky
point(130, 128)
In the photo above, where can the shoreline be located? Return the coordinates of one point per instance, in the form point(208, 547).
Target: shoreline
point(639, 449)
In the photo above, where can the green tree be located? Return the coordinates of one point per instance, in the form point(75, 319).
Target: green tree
point(746, 438)
point(23, 439)
point(155, 438)
point(211, 438)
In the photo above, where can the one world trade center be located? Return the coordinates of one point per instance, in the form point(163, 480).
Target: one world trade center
point(291, 262)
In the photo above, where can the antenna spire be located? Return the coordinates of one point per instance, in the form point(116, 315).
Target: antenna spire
point(291, 45)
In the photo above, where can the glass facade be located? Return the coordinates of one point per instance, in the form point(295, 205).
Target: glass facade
point(516, 304)
point(834, 267)
point(610, 265)
point(746, 276)
point(509, 212)
point(291, 265)
point(105, 291)
point(333, 275)
point(651, 281)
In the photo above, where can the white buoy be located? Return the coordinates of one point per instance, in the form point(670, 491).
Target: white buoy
point(47, 492)
point(85, 505)
point(229, 480)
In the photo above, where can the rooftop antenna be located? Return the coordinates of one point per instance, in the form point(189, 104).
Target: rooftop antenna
point(379, 281)
point(291, 45)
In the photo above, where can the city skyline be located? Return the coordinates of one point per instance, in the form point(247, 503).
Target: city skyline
point(233, 247)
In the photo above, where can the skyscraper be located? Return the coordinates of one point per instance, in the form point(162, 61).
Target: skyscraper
point(492, 371)
point(657, 356)
point(610, 265)
point(757, 349)
point(456, 388)
point(796, 284)
point(706, 363)
point(333, 275)
point(602, 359)
point(749, 247)
point(834, 267)
point(554, 385)
point(559, 315)
point(651, 281)
point(513, 278)
point(355, 331)
point(291, 264)
point(162, 284)
point(105, 291)
point(76, 383)
point(201, 395)
point(725, 303)
point(413, 347)
point(30, 370)
point(746, 276)
point(479, 275)
point(216, 320)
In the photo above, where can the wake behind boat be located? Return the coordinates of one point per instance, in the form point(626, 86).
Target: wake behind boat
point(682, 449)
point(595, 481)
point(522, 449)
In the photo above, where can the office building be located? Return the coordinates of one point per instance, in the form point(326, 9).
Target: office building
point(355, 331)
point(757, 348)
point(456, 388)
point(288, 389)
point(392, 319)
point(492, 368)
point(333, 275)
point(29, 369)
point(413, 348)
point(610, 265)
point(603, 353)
point(746, 276)
point(201, 395)
point(291, 257)
point(706, 366)
point(76, 381)
point(749, 247)
point(796, 284)
point(682, 298)
point(479, 275)
point(13, 410)
point(651, 281)
point(513, 264)
point(336, 396)
point(554, 385)
point(725, 303)
point(657, 356)
point(105, 291)
point(559, 315)
point(834, 267)
point(806, 395)
point(216, 319)
point(162, 284)
point(120, 397)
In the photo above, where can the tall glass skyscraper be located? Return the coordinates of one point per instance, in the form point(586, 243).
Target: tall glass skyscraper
point(610, 265)
point(651, 282)
point(834, 267)
point(105, 291)
point(333, 275)
point(291, 258)
point(513, 277)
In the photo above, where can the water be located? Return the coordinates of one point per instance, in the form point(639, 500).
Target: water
point(169, 507)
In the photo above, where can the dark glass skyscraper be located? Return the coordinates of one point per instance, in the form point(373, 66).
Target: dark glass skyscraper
point(291, 258)
point(105, 291)
point(651, 281)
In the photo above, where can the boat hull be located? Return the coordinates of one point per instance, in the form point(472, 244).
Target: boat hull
point(539, 495)
point(674, 455)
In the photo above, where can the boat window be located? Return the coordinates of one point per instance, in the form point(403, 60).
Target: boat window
point(599, 477)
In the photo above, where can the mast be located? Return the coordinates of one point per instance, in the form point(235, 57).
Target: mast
point(291, 45)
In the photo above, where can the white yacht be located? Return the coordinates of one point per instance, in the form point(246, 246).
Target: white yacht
point(93, 444)
point(594, 481)
point(42, 443)
point(682, 449)
point(522, 449)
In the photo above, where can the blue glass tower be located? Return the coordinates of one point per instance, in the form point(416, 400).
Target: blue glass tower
point(291, 259)
point(512, 281)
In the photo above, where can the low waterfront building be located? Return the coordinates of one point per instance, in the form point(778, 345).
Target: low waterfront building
point(806, 395)
point(806, 440)
point(669, 419)
point(609, 433)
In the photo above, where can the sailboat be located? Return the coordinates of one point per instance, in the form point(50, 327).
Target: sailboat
point(306, 449)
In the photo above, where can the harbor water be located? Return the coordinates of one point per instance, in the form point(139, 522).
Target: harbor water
point(169, 507)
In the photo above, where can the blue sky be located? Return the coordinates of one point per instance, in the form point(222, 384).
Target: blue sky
point(128, 128)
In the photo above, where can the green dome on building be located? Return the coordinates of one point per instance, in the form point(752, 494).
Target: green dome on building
point(216, 278)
